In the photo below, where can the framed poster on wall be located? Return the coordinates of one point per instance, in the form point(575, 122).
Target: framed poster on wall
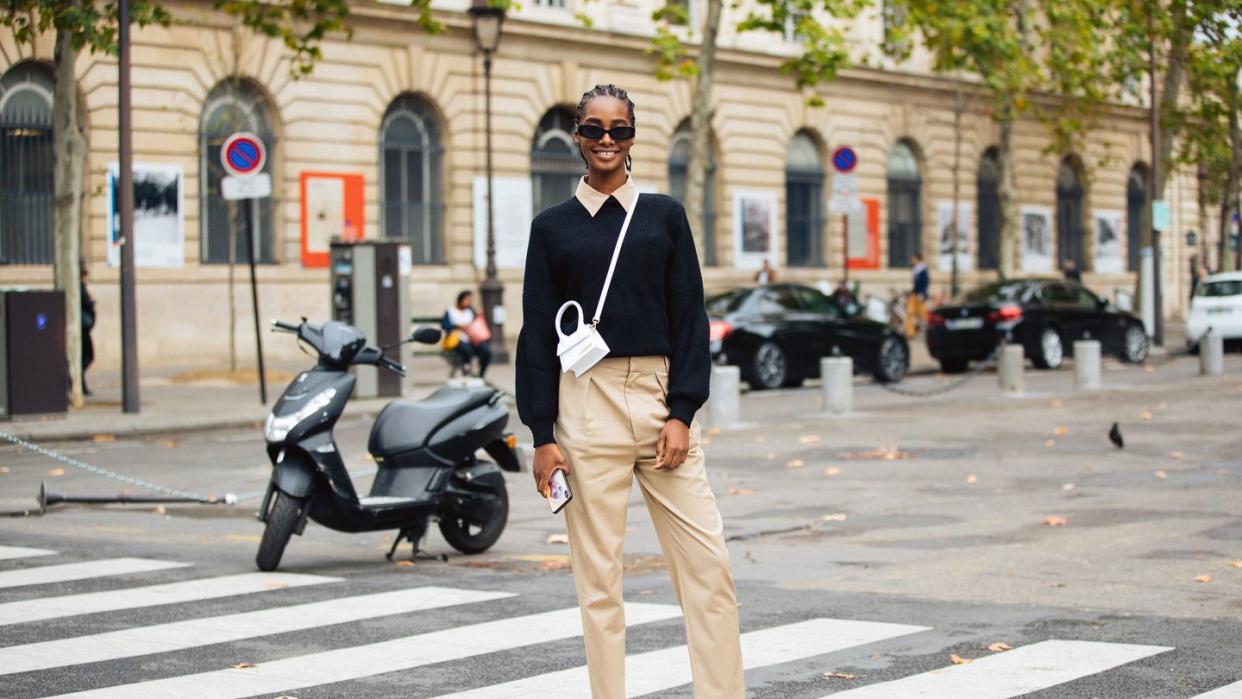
point(863, 229)
point(331, 208)
point(944, 235)
point(1107, 242)
point(754, 229)
point(1036, 234)
point(159, 216)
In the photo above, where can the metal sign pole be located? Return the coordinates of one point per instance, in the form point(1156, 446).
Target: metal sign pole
point(125, 207)
point(254, 298)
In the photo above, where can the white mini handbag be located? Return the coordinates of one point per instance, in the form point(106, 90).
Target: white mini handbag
point(584, 347)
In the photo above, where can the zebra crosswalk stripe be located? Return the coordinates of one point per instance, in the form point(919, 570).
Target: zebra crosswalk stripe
point(10, 552)
point(80, 571)
point(1229, 691)
point(376, 658)
point(1011, 673)
point(193, 633)
point(26, 611)
point(664, 669)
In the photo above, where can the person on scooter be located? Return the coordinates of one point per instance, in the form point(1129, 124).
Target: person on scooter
point(632, 413)
point(460, 318)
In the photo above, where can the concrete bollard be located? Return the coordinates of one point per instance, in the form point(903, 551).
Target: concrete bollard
point(1009, 367)
point(838, 376)
point(1087, 364)
point(724, 402)
point(1211, 354)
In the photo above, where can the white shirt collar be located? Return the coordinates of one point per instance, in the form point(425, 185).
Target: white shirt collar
point(593, 200)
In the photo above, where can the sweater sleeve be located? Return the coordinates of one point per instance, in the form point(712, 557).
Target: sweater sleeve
point(691, 363)
point(538, 371)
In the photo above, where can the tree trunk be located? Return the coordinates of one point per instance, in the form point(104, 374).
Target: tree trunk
point(1229, 200)
point(1009, 216)
point(1170, 90)
point(700, 133)
point(68, 150)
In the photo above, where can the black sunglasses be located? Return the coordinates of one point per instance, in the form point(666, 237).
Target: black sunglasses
point(595, 132)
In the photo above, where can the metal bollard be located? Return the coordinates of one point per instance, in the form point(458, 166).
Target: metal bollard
point(724, 401)
point(1087, 364)
point(1009, 367)
point(1211, 354)
point(838, 376)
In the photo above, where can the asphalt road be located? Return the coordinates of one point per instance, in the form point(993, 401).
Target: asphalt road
point(875, 545)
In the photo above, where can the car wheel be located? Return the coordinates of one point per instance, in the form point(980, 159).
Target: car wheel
point(1136, 345)
point(1050, 352)
point(954, 366)
point(771, 368)
point(893, 361)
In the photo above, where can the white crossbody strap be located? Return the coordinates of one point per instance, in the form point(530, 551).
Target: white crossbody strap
point(616, 252)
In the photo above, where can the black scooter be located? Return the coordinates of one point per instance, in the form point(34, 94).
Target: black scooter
point(425, 451)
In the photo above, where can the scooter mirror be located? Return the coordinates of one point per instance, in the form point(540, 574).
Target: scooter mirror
point(426, 336)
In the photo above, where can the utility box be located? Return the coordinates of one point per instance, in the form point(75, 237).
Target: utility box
point(34, 369)
point(370, 291)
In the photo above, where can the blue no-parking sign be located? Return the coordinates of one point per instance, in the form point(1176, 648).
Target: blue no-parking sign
point(844, 159)
point(243, 154)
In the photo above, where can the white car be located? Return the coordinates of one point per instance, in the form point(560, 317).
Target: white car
point(1217, 304)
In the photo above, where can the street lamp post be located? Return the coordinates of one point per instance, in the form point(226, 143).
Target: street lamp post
point(488, 23)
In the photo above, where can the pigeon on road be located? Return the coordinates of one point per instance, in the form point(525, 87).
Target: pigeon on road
point(1114, 436)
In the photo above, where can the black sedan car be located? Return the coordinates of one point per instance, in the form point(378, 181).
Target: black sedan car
point(1045, 316)
point(777, 334)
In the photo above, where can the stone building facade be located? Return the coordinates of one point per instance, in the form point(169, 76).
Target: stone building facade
point(404, 110)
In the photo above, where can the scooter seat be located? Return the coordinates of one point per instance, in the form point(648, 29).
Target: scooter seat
point(406, 424)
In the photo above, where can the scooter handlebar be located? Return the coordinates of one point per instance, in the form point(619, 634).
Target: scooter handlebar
point(286, 327)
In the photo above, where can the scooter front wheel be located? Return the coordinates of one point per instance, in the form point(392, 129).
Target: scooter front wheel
point(281, 521)
point(469, 536)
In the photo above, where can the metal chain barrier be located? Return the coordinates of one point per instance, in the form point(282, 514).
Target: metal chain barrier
point(228, 499)
point(956, 383)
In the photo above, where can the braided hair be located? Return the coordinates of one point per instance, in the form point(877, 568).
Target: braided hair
point(608, 90)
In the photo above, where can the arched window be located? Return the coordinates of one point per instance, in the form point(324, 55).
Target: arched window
point(1136, 206)
point(678, 174)
point(804, 212)
point(905, 220)
point(26, 180)
point(234, 106)
point(987, 201)
point(1069, 214)
point(412, 206)
point(555, 164)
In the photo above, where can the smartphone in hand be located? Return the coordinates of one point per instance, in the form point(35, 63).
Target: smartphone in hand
point(561, 494)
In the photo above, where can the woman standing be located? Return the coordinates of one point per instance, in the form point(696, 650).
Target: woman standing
point(632, 414)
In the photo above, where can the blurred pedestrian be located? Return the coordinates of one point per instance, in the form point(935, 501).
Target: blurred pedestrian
point(766, 275)
point(88, 324)
point(475, 337)
point(916, 302)
point(1071, 271)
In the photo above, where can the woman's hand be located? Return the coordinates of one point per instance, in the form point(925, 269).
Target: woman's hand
point(548, 458)
point(673, 445)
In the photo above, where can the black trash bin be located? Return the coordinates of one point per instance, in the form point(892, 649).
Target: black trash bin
point(33, 363)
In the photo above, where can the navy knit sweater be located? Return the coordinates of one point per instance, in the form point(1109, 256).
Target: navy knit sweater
point(654, 306)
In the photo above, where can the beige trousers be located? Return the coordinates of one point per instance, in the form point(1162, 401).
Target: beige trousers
point(608, 424)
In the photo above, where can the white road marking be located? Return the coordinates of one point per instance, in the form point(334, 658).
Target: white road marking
point(1011, 673)
point(152, 595)
point(1229, 691)
point(664, 669)
point(193, 633)
point(377, 658)
point(10, 552)
point(80, 571)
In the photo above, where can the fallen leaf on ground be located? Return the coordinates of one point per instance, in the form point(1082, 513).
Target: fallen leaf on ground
point(1235, 564)
point(1055, 521)
point(1176, 455)
point(242, 666)
point(808, 439)
point(1162, 474)
point(1068, 487)
point(557, 539)
point(837, 517)
point(1062, 430)
point(761, 439)
point(559, 564)
point(998, 647)
point(734, 490)
point(972, 479)
point(1055, 403)
point(1050, 442)
point(404, 564)
point(887, 453)
point(713, 430)
point(1056, 584)
point(1203, 579)
point(100, 438)
point(1149, 368)
point(170, 443)
point(832, 471)
point(4, 469)
point(771, 455)
point(1162, 405)
point(277, 586)
point(840, 676)
point(959, 660)
point(160, 510)
point(1145, 415)
point(56, 472)
point(795, 463)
